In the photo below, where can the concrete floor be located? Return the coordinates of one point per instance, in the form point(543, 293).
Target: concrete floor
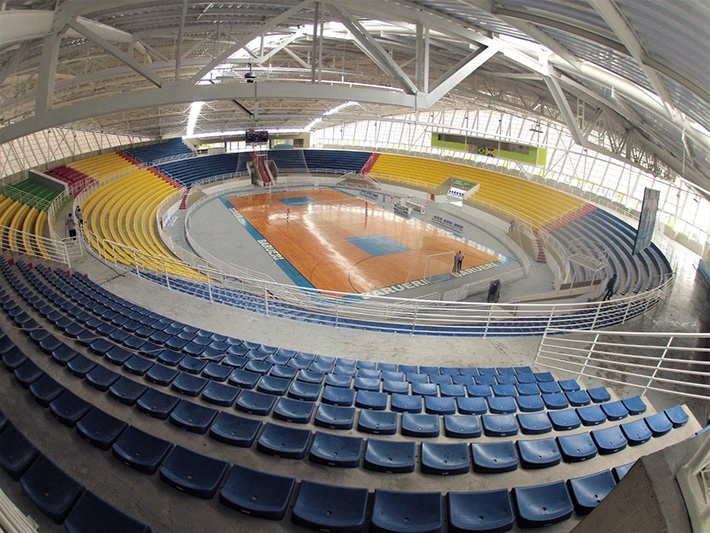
point(148, 499)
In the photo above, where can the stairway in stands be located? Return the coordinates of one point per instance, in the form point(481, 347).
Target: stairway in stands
point(261, 169)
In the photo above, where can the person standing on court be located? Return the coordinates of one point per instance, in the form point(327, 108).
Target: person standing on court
point(610, 287)
point(456, 263)
point(459, 261)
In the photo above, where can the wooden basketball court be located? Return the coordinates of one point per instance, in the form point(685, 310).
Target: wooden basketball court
point(337, 244)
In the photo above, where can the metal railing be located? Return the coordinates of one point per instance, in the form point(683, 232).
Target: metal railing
point(674, 363)
point(58, 250)
point(694, 481)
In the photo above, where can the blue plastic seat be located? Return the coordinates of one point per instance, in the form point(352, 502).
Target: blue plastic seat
point(369, 373)
point(542, 505)
point(338, 380)
point(138, 365)
point(549, 387)
point(392, 375)
point(80, 365)
point(390, 456)
point(27, 373)
point(499, 425)
point(45, 389)
point(589, 491)
point(444, 458)
point(485, 380)
point(415, 377)
point(636, 432)
point(406, 511)
point(599, 394)
point(126, 390)
point(555, 401)
point(235, 430)
point(620, 471)
point(192, 417)
point(371, 400)
point(14, 357)
point(69, 408)
point(576, 448)
point(615, 410)
point(480, 511)
point(440, 406)
point(472, 406)
point(335, 416)
point(244, 378)
point(462, 426)
point(300, 390)
point(255, 403)
point(296, 411)
point(189, 384)
point(330, 507)
point(609, 440)
point(193, 473)
point(51, 489)
point(420, 425)
point(569, 385)
point(578, 398)
point(284, 441)
point(542, 377)
point(501, 405)
point(453, 390)
point(405, 403)
point(338, 396)
point(140, 450)
point(118, 355)
point(161, 374)
point(320, 368)
point(504, 390)
point(658, 424)
point(378, 422)
point(534, 423)
point(217, 372)
point(480, 391)
point(677, 416)
point(273, 385)
point(170, 357)
point(92, 514)
point(425, 389)
point(494, 457)
point(527, 389)
point(525, 377)
point(282, 371)
point(17, 453)
point(101, 377)
point(506, 379)
point(157, 404)
point(635, 405)
point(440, 379)
point(395, 387)
point(591, 415)
point(100, 428)
point(257, 493)
point(530, 403)
point(336, 450)
point(564, 420)
point(220, 393)
point(539, 453)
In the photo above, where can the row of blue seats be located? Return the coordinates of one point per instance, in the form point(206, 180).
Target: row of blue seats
point(135, 321)
point(201, 476)
point(317, 506)
point(335, 410)
point(153, 152)
point(341, 161)
point(56, 493)
point(189, 171)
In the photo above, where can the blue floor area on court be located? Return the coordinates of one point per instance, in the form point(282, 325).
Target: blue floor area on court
point(378, 245)
point(298, 200)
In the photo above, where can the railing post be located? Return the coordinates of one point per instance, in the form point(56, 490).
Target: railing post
point(167, 278)
point(209, 286)
point(589, 354)
point(658, 366)
point(414, 319)
point(596, 315)
point(488, 321)
point(266, 301)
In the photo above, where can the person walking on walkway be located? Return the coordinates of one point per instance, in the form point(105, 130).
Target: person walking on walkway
point(610, 287)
